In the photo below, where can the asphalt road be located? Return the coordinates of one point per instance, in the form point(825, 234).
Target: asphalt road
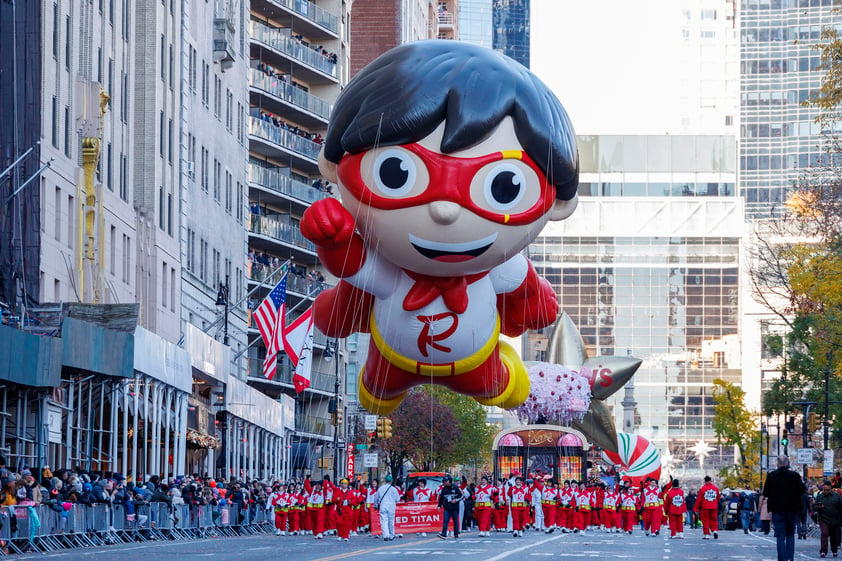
point(731, 546)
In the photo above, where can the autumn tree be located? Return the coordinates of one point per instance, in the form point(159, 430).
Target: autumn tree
point(736, 426)
point(424, 432)
point(473, 446)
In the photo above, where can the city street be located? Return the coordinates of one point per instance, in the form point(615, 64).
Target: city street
point(534, 545)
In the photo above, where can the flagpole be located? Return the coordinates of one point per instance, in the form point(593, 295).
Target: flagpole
point(256, 339)
point(215, 322)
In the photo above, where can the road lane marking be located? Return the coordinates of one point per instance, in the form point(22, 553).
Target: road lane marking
point(525, 547)
point(348, 554)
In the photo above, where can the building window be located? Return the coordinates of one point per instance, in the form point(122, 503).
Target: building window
point(57, 206)
point(112, 251)
point(238, 203)
point(67, 42)
point(55, 31)
point(67, 150)
point(228, 191)
point(71, 221)
point(169, 141)
point(163, 58)
point(161, 134)
point(108, 164)
point(55, 122)
point(217, 179)
point(164, 280)
point(169, 214)
point(124, 178)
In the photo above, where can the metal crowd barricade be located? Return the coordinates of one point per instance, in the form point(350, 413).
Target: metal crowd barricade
point(101, 524)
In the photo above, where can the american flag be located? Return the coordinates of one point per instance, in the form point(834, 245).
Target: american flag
point(269, 317)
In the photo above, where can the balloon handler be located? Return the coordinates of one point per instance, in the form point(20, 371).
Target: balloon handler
point(450, 158)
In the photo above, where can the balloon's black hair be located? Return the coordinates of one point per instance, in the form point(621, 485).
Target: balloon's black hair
point(404, 94)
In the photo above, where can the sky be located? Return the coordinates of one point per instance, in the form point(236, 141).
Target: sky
point(611, 63)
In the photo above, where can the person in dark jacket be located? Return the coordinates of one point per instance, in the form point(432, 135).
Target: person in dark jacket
point(450, 496)
point(828, 507)
point(784, 489)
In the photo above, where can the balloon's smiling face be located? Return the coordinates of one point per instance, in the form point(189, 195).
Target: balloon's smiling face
point(449, 214)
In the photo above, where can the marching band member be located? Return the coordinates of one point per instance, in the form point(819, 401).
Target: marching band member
point(628, 507)
point(609, 510)
point(316, 507)
point(501, 507)
point(549, 500)
point(564, 511)
point(519, 498)
point(344, 498)
point(652, 508)
point(485, 494)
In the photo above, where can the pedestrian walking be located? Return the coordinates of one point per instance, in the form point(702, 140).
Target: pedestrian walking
point(386, 502)
point(828, 507)
point(449, 498)
point(707, 505)
point(765, 515)
point(784, 489)
point(746, 510)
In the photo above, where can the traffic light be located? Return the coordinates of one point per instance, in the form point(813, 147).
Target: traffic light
point(339, 417)
point(784, 437)
point(387, 428)
point(380, 424)
point(812, 422)
point(369, 438)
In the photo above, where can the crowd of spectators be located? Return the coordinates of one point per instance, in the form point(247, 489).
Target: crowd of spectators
point(330, 56)
point(273, 119)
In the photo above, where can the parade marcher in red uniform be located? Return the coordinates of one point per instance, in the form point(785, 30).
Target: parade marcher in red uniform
point(304, 516)
point(280, 499)
point(421, 494)
point(501, 507)
point(597, 496)
point(483, 505)
point(549, 502)
point(652, 508)
point(331, 517)
point(608, 514)
point(564, 509)
point(316, 507)
point(370, 491)
point(707, 505)
point(295, 508)
point(344, 498)
point(519, 499)
point(629, 504)
point(675, 507)
point(582, 515)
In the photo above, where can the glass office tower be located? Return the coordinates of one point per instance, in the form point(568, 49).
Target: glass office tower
point(510, 30)
point(778, 66)
point(648, 266)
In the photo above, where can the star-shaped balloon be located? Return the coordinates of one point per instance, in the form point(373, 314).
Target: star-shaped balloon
point(606, 374)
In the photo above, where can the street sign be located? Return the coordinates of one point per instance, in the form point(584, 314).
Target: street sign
point(340, 445)
point(329, 445)
point(350, 467)
point(369, 460)
point(828, 462)
point(361, 446)
point(370, 422)
point(805, 456)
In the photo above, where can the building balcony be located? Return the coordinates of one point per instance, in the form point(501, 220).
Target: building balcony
point(271, 180)
point(312, 20)
point(270, 227)
point(323, 383)
point(281, 144)
point(313, 425)
point(258, 272)
point(283, 98)
point(311, 65)
point(445, 21)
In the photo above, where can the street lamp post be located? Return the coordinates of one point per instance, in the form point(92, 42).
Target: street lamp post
point(336, 416)
point(222, 298)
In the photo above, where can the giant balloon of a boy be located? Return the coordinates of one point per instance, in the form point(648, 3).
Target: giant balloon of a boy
point(450, 159)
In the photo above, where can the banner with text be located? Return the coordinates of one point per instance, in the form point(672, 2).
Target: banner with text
point(411, 518)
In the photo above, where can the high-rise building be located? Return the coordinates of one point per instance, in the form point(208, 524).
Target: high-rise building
point(299, 59)
point(511, 29)
point(476, 22)
point(649, 263)
point(778, 136)
point(378, 25)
